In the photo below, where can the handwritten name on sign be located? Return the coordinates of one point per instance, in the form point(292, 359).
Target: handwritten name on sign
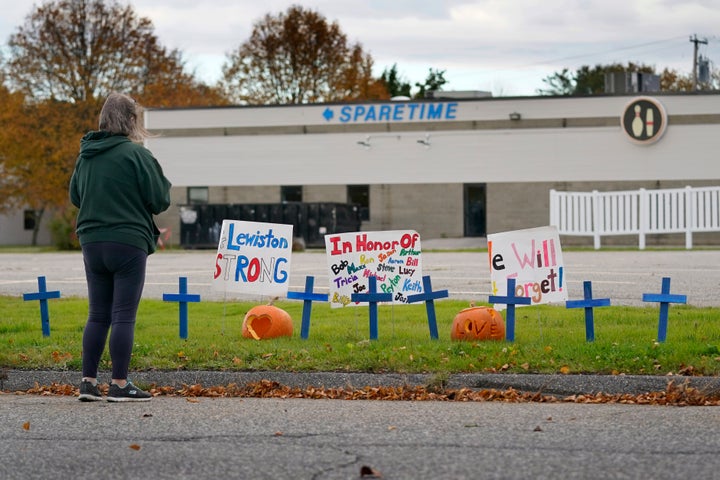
point(254, 258)
point(392, 257)
point(532, 257)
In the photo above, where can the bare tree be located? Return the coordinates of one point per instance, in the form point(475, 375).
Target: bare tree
point(298, 57)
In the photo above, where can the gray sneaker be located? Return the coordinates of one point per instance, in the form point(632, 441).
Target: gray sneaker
point(129, 393)
point(89, 392)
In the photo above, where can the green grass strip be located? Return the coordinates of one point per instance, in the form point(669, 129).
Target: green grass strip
point(549, 339)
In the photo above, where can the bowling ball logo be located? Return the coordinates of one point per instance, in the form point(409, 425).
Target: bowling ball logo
point(644, 120)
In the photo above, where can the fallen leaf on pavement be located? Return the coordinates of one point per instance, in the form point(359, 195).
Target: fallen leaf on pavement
point(675, 394)
point(367, 472)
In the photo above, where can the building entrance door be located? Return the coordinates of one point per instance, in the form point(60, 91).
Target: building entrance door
point(474, 201)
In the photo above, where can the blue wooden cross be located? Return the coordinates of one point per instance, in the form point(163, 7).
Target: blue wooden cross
point(372, 297)
point(665, 298)
point(588, 303)
point(182, 298)
point(510, 300)
point(429, 296)
point(307, 297)
point(43, 295)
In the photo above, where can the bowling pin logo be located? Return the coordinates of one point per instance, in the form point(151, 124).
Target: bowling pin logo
point(637, 123)
point(649, 124)
point(644, 120)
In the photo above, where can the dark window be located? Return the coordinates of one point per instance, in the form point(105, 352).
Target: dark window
point(198, 195)
point(360, 194)
point(29, 219)
point(291, 193)
point(475, 210)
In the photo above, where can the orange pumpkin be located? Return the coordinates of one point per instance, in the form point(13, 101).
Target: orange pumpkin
point(478, 323)
point(267, 321)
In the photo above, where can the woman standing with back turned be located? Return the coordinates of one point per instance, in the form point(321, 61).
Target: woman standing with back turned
point(118, 186)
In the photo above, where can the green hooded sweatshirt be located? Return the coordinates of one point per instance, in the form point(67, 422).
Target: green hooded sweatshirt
point(118, 186)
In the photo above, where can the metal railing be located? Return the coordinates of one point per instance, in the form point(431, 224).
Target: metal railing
point(636, 212)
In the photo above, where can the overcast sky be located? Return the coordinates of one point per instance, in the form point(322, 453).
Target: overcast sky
point(506, 47)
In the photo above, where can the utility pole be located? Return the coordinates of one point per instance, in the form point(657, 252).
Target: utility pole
point(696, 41)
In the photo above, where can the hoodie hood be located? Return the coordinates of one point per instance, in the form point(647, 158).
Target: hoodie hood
point(96, 143)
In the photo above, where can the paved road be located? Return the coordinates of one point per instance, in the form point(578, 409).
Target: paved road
point(622, 277)
point(173, 438)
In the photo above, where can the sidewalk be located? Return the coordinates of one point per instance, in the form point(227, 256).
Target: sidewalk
point(559, 385)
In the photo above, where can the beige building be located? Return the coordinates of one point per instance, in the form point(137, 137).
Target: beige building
point(444, 167)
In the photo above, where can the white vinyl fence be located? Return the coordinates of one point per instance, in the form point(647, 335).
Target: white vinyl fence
point(637, 212)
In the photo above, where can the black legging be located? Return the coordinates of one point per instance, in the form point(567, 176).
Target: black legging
point(115, 276)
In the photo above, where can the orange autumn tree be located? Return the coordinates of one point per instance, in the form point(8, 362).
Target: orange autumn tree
point(358, 83)
point(168, 85)
point(60, 65)
point(169, 92)
point(299, 57)
point(672, 81)
point(12, 107)
point(35, 153)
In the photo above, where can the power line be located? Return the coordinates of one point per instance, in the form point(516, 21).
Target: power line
point(696, 41)
point(585, 55)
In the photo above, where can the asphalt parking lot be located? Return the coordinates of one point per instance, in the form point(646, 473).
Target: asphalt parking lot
point(621, 276)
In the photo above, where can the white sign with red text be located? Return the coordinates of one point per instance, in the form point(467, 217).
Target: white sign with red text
point(532, 257)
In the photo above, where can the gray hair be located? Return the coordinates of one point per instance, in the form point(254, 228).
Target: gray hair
point(122, 115)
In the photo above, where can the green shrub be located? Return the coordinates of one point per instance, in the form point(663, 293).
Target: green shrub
point(62, 229)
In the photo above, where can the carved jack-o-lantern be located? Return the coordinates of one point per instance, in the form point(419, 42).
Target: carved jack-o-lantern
point(267, 321)
point(478, 323)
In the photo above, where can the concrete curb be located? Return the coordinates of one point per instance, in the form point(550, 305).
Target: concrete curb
point(559, 385)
